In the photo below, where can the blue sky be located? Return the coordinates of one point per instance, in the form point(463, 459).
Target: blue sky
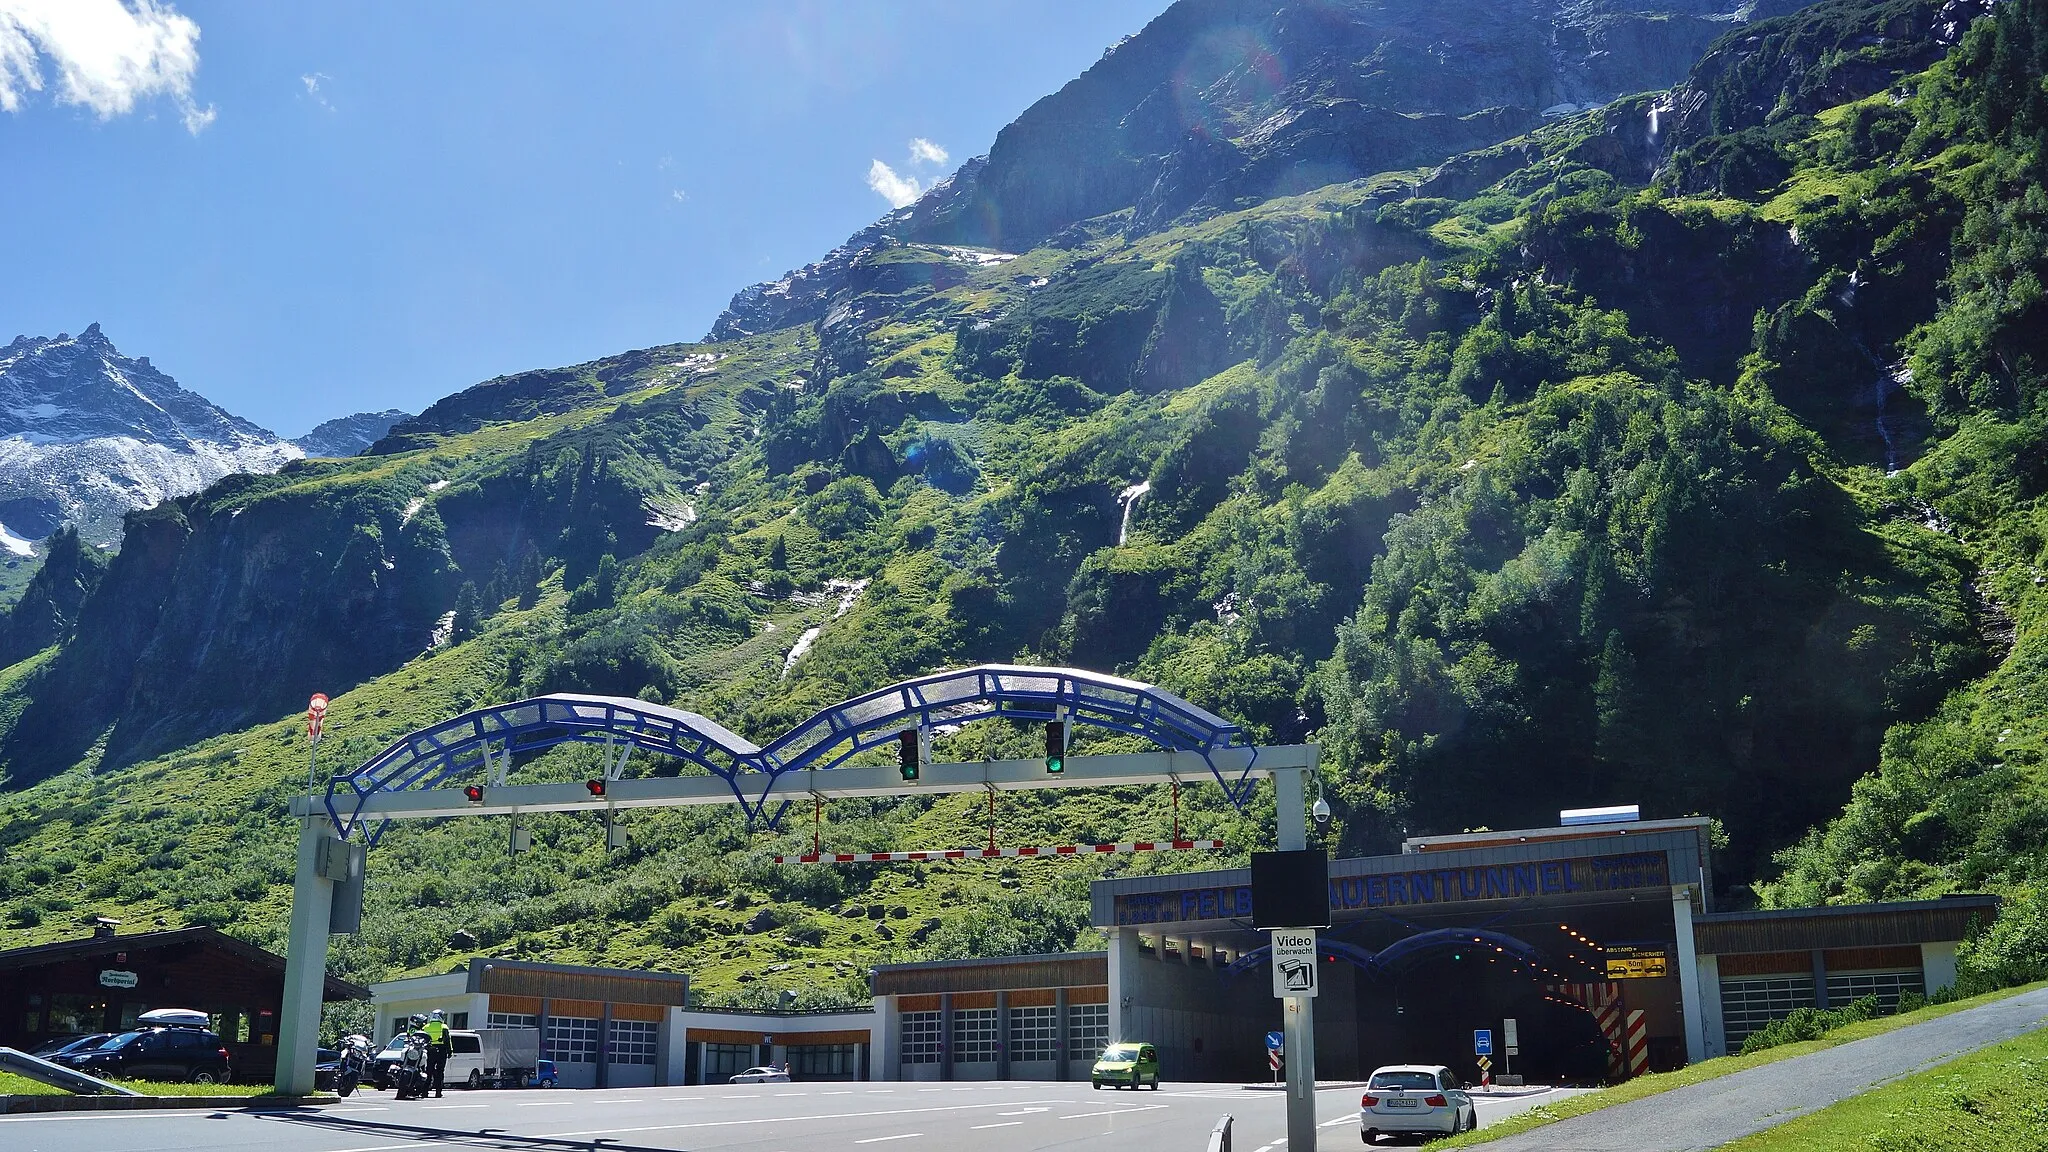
point(307, 209)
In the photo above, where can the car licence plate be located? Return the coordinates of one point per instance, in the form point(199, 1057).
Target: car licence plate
point(1400, 1102)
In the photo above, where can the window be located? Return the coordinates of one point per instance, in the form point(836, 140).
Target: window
point(974, 1035)
point(920, 1037)
point(571, 1040)
point(458, 1019)
point(1844, 987)
point(508, 1020)
point(1034, 1033)
point(1747, 1005)
point(723, 1061)
point(633, 1041)
point(460, 1043)
point(819, 1061)
point(1402, 1081)
point(76, 1012)
point(1088, 1026)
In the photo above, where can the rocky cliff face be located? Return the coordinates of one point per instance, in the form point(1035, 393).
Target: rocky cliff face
point(349, 435)
point(87, 435)
point(1221, 103)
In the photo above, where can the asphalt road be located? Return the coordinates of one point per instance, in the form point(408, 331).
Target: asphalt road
point(999, 1117)
point(1710, 1114)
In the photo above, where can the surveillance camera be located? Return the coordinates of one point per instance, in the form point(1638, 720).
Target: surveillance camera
point(1321, 810)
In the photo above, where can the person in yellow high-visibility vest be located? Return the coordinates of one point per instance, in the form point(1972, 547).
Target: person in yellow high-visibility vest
point(436, 1029)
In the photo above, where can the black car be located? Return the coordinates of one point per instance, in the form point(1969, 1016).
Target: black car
point(65, 1045)
point(187, 1054)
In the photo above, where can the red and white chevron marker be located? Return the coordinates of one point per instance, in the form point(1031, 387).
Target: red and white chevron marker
point(997, 853)
point(1638, 1043)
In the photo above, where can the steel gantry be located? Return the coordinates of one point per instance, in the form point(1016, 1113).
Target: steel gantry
point(428, 773)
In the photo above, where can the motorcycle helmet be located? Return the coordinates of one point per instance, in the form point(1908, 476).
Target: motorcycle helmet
point(436, 1015)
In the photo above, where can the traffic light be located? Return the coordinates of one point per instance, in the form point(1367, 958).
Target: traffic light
point(1056, 747)
point(907, 754)
point(474, 793)
point(596, 788)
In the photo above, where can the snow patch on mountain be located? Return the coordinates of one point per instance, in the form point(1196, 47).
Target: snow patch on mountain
point(88, 435)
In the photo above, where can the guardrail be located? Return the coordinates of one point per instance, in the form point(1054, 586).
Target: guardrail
point(1219, 1137)
point(58, 1076)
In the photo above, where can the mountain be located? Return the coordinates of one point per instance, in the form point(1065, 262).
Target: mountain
point(87, 435)
point(349, 435)
point(1220, 104)
point(1684, 451)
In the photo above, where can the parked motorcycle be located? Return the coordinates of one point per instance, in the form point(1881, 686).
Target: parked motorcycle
point(410, 1077)
point(355, 1058)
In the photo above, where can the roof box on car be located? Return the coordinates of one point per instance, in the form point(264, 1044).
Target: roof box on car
point(173, 1018)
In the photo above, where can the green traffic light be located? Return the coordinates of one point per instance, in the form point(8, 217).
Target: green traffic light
point(1056, 747)
point(1055, 764)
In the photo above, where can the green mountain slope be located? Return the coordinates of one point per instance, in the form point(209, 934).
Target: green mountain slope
point(1684, 452)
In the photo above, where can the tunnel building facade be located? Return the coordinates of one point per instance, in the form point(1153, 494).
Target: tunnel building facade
point(1599, 942)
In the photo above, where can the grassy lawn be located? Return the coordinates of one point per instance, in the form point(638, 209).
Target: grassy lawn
point(1988, 1101)
point(13, 1085)
point(1711, 1069)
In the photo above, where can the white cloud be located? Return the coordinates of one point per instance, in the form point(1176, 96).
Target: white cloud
point(312, 82)
point(108, 55)
point(897, 190)
point(679, 196)
point(923, 151)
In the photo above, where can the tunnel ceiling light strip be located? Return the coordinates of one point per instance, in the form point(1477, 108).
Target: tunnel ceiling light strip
point(999, 853)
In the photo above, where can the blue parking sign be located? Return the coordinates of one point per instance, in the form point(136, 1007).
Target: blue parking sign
point(1482, 1041)
point(1274, 1041)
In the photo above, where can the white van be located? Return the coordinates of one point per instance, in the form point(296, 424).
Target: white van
point(504, 1057)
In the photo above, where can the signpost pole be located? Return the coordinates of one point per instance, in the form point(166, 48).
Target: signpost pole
point(1297, 1012)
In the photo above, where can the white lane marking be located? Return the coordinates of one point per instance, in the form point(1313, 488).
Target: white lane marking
point(435, 1107)
point(848, 1092)
point(789, 1119)
point(931, 1089)
point(139, 1113)
point(880, 1139)
point(1004, 1124)
point(1114, 1112)
point(1024, 1112)
point(560, 1103)
point(789, 1094)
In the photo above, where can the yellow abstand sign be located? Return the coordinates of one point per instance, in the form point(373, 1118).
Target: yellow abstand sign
point(1635, 964)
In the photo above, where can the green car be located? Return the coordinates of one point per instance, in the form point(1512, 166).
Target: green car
point(1126, 1066)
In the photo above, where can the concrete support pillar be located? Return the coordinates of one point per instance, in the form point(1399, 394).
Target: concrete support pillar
point(540, 1021)
point(305, 968)
point(1003, 1036)
point(1687, 962)
point(1711, 1023)
point(946, 1036)
point(1063, 1045)
point(888, 1034)
point(604, 1046)
point(1820, 980)
point(1938, 965)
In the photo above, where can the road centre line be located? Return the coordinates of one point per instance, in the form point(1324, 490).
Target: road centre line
point(880, 1139)
point(789, 1119)
point(1004, 1124)
point(1114, 1112)
point(1024, 1112)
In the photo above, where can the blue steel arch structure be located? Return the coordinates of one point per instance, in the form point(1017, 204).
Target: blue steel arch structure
point(480, 740)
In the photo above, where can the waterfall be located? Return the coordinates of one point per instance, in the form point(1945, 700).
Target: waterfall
point(1129, 499)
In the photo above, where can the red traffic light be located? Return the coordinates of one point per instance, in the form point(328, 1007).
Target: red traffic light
point(596, 787)
point(474, 793)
